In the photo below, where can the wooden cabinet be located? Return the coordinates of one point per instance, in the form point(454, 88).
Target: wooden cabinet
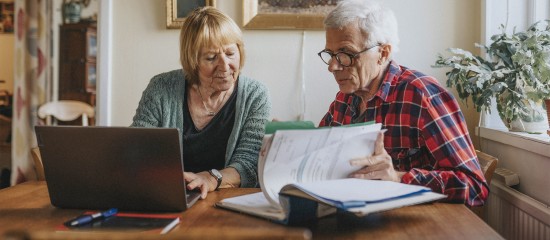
point(77, 62)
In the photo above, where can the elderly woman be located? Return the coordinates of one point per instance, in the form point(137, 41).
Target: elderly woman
point(427, 141)
point(220, 113)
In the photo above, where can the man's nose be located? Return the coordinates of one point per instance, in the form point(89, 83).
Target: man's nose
point(334, 65)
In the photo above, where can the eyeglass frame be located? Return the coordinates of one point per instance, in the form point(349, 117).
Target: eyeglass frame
point(350, 55)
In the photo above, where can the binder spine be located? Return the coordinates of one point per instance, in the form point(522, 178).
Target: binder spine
point(299, 211)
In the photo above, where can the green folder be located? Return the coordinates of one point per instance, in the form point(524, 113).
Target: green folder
point(271, 127)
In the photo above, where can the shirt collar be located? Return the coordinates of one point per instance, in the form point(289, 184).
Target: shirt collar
point(392, 74)
point(389, 79)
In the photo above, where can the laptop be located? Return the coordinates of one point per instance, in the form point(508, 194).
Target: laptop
point(132, 169)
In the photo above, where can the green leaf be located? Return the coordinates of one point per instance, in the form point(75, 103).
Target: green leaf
point(517, 68)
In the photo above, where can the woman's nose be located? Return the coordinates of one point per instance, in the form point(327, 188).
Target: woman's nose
point(223, 63)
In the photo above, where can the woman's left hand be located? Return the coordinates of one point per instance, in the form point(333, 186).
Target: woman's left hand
point(201, 180)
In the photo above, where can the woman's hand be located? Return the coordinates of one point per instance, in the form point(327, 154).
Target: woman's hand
point(378, 166)
point(202, 180)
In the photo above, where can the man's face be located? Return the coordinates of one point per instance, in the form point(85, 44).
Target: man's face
point(363, 69)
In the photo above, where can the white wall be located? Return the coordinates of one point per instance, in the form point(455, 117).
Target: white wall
point(7, 41)
point(143, 47)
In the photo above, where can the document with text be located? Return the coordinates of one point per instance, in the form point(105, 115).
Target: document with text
point(297, 166)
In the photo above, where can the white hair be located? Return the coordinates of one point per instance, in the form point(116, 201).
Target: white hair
point(373, 19)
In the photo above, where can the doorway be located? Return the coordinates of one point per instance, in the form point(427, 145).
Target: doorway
point(89, 13)
point(75, 47)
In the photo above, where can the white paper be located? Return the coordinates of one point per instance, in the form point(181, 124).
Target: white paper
point(396, 203)
point(353, 189)
point(254, 200)
point(255, 204)
point(298, 156)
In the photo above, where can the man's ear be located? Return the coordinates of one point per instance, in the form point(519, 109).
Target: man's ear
point(385, 52)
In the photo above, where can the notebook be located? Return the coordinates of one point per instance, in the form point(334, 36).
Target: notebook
point(132, 169)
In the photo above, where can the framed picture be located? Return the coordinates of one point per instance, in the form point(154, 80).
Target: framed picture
point(286, 14)
point(6, 16)
point(176, 10)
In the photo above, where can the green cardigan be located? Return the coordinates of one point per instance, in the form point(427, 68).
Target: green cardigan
point(161, 105)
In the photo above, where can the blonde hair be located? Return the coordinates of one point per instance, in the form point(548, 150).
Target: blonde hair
point(206, 27)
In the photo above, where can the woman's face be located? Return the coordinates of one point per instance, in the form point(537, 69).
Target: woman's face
point(219, 67)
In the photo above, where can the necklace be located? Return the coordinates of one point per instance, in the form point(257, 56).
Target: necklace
point(208, 111)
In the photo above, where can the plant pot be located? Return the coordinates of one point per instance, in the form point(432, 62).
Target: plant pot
point(535, 121)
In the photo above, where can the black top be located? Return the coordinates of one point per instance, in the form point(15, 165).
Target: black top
point(205, 149)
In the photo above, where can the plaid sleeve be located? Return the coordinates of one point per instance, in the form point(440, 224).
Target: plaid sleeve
point(457, 173)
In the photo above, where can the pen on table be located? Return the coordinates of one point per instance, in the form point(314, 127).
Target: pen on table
point(84, 219)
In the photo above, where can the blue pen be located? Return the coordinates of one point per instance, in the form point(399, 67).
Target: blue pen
point(84, 219)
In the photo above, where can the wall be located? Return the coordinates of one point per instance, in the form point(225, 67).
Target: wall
point(142, 47)
point(525, 154)
point(7, 42)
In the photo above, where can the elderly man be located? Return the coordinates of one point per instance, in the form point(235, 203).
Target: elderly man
point(427, 141)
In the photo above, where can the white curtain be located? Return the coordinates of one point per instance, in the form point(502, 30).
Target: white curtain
point(32, 81)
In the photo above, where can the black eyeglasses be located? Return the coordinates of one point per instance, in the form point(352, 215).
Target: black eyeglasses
point(345, 59)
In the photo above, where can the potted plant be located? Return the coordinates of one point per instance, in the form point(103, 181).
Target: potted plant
point(516, 73)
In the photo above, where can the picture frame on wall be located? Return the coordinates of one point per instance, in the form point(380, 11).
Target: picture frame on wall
point(176, 10)
point(6, 16)
point(286, 14)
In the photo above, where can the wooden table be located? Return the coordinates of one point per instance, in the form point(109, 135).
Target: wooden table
point(25, 211)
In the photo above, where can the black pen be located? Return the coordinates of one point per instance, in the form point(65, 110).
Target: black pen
point(84, 219)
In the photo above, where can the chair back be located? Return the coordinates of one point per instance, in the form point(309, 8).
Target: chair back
point(4, 98)
point(66, 110)
point(39, 167)
point(488, 165)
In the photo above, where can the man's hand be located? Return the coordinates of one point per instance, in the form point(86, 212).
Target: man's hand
point(378, 166)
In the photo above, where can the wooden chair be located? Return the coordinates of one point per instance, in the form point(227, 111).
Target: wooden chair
point(5, 130)
point(488, 165)
point(66, 110)
point(4, 98)
point(5, 144)
point(35, 153)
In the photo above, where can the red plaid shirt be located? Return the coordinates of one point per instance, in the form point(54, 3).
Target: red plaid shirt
point(427, 136)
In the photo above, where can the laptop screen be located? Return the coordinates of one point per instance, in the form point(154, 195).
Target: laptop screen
point(133, 169)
